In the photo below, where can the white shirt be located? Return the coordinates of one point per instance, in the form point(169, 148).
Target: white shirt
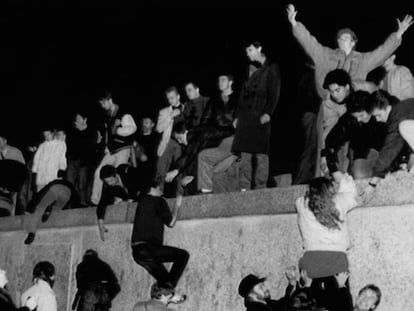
point(43, 294)
point(316, 236)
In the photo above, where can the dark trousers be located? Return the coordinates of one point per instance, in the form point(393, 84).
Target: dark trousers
point(152, 258)
point(326, 291)
point(81, 178)
point(307, 164)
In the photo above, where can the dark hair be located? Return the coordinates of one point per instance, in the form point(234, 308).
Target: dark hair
point(164, 289)
point(357, 101)
point(376, 75)
point(106, 95)
point(107, 171)
point(337, 76)
point(255, 43)
point(229, 76)
point(380, 100)
point(179, 127)
point(340, 32)
point(44, 270)
point(320, 196)
point(171, 89)
point(375, 289)
point(196, 86)
point(302, 300)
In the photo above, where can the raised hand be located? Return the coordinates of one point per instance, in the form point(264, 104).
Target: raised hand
point(404, 24)
point(341, 279)
point(291, 13)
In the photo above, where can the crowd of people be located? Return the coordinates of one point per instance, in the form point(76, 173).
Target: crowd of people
point(360, 124)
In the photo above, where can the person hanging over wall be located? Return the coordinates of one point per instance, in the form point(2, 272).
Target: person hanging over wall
point(118, 128)
point(364, 134)
point(97, 284)
point(258, 99)
point(148, 250)
point(121, 184)
point(322, 220)
point(399, 119)
point(57, 195)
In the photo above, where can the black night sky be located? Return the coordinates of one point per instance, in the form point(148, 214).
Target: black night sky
point(56, 57)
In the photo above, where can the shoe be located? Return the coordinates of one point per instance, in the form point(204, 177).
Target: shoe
point(178, 298)
point(46, 214)
point(30, 238)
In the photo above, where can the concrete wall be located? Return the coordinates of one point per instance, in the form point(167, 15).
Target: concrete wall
point(228, 236)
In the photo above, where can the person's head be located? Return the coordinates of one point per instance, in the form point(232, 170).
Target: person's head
point(338, 83)
point(45, 271)
point(48, 134)
point(377, 76)
point(162, 292)
point(389, 63)
point(369, 297)
point(3, 278)
point(346, 40)
point(192, 90)
point(253, 288)
point(173, 96)
point(320, 202)
point(180, 133)
point(302, 300)
point(60, 135)
point(147, 125)
point(90, 254)
point(380, 105)
point(106, 101)
point(225, 82)
point(80, 121)
point(357, 105)
point(254, 51)
point(109, 175)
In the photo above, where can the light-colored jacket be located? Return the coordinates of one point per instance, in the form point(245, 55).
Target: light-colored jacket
point(357, 64)
point(400, 82)
point(317, 237)
point(49, 158)
point(43, 294)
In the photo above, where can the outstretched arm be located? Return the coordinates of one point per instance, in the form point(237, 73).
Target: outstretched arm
point(311, 45)
point(379, 55)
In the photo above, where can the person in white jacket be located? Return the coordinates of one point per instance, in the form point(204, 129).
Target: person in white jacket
point(41, 291)
point(49, 159)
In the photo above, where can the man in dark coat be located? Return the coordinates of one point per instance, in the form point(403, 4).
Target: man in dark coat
point(96, 282)
point(258, 99)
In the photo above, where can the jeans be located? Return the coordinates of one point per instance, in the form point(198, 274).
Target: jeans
point(81, 178)
point(55, 198)
point(152, 257)
point(208, 159)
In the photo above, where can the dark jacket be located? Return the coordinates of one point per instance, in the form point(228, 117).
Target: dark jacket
point(194, 112)
point(6, 302)
point(93, 271)
point(133, 183)
point(82, 146)
point(394, 142)
point(361, 137)
point(259, 95)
